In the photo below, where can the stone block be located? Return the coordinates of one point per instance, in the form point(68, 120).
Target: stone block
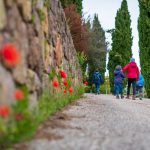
point(3, 19)
point(7, 87)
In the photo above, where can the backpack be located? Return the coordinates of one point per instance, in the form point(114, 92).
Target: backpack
point(97, 76)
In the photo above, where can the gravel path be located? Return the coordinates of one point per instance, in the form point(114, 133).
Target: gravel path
point(100, 122)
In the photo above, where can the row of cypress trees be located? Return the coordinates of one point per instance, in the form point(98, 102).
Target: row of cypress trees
point(121, 41)
point(144, 41)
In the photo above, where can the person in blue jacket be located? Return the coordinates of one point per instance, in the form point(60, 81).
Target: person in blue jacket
point(97, 80)
point(118, 81)
point(139, 86)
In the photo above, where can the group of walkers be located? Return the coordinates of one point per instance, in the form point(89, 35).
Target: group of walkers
point(135, 78)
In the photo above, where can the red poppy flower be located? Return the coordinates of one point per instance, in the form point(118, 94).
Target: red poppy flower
point(19, 116)
point(55, 84)
point(19, 95)
point(4, 111)
point(65, 91)
point(66, 83)
point(86, 83)
point(63, 74)
point(10, 55)
point(71, 90)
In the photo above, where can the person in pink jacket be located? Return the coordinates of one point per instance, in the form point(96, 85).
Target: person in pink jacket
point(132, 71)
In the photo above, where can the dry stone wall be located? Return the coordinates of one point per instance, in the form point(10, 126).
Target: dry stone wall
point(38, 28)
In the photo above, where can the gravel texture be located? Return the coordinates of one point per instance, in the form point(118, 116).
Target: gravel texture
point(100, 122)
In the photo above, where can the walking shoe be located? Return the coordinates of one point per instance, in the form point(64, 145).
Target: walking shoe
point(137, 95)
point(127, 97)
point(122, 96)
point(117, 97)
point(141, 95)
point(133, 97)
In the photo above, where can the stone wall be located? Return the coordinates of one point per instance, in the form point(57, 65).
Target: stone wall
point(39, 30)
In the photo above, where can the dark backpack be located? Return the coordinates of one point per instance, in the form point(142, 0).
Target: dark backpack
point(97, 76)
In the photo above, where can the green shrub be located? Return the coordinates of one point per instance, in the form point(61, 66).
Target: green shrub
point(82, 58)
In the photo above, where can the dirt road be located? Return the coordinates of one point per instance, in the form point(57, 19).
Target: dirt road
point(97, 122)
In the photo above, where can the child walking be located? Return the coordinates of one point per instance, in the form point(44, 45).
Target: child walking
point(118, 81)
point(139, 86)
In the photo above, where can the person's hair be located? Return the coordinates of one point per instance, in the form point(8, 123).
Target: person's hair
point(132, 59)
point(118, 67)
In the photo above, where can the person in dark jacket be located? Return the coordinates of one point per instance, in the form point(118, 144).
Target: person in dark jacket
point(139, 86)
point(97, 80)
point(132, 71)
point(118, 81)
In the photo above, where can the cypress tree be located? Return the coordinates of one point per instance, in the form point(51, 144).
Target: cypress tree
point(121, 41)
point(144, 41)
point(98, 48)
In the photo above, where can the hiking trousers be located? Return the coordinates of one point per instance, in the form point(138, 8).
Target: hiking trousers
point(131, 81)
point(97, 86)
point(119, 89)
point(139, 91)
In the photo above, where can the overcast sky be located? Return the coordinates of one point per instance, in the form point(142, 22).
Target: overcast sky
point(106, 10)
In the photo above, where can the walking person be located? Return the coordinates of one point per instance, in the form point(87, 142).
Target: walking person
point(97, 80)
point(132, 71)
point(139, 87)
point(118, 81)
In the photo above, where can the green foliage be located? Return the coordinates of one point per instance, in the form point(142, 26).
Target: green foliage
point(98, 48)
point(144, 41)
point(78, 3)
point(79, 6)
point(105, 88)
point(82, 58)
point(41, 15)
point(34, 2)
point(50, 103)
point(47, 3)
point(52, 74)
point(121, 41)
point(22, 124)
point(33, 19)
point(88, 89)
